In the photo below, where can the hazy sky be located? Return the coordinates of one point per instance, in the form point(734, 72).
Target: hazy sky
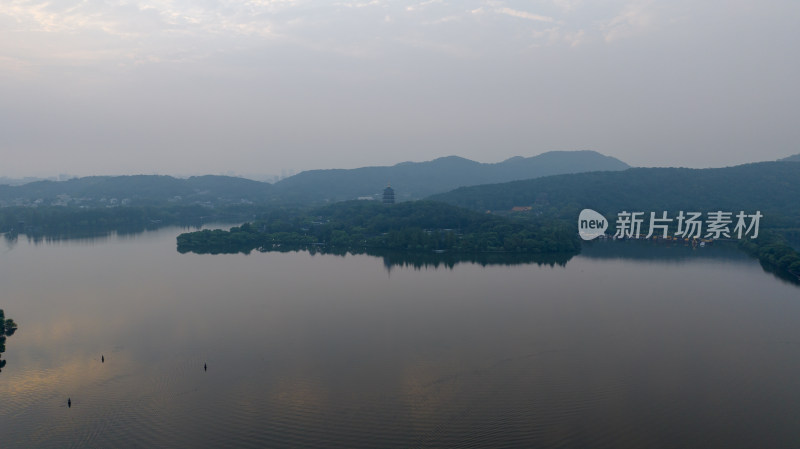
point(209, 86)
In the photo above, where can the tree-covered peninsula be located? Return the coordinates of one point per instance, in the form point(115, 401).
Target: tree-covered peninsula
point(409, 226)
point(775, 254)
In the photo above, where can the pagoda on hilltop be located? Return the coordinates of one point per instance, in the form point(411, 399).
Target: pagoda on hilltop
point(388, 195)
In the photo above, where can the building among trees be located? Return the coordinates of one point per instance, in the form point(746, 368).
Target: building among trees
point(388, 195)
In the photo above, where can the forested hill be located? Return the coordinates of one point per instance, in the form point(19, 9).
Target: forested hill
point(96, 191)
point(793, 158)
point(413, 180)
point(771, 187)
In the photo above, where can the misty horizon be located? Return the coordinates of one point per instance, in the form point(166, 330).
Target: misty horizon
point(271, 177)
point(185, 88)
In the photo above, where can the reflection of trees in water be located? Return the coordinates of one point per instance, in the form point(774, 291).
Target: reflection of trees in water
point(449, 260)
point(780, 274)
point(98, 234)
point(89, 234)
point(11, 238)
point(659, 250)
point(7, 329)
point(420, 260)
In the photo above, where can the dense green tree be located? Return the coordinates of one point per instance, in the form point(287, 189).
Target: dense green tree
point(409, 226)
point(773, 251)
point(7, 329)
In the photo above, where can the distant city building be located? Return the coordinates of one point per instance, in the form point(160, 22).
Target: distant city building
point(388, 195)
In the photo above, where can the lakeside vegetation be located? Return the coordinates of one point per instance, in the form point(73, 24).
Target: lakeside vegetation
point(775, 254)
point(7, 329)
point(58, 222)
point(410, 226)
point(769, 187)
point(534, 216)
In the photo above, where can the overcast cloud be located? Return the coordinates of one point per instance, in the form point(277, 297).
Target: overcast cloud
point(205, 86)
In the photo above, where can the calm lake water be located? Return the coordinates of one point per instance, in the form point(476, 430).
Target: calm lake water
point(625, 346)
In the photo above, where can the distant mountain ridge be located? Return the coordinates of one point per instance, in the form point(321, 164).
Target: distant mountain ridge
point(411, 180)
point(5, 180)
point(415, 180)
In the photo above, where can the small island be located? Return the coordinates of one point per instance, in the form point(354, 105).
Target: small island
point(418, 226)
